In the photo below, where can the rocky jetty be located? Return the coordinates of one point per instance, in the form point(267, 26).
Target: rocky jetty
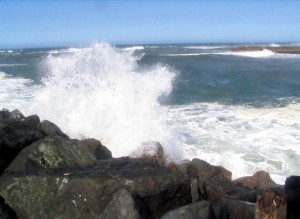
point(45, 174)
point(279, 49)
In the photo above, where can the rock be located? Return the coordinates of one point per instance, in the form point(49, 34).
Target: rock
point(292, 191)
point(50, 129)
point(234, 209)
point(32, 120)
point(150, 150)
point(14, 136)
point(271, 204)
point(16, 115)
point(101, 152)
point(199, 210)
point(182, 166)
point(86, 191)
point(5, 211)
point(4, 114)
point(260, 180)
point(124, 205)
point(213, 182)
point(55, 151)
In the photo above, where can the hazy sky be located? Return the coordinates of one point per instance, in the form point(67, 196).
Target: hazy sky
point(73, 23)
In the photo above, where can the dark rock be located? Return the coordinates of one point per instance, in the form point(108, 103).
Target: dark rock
point(32, 121)
point(14, 136)
point(55, 151)
point(5, 211)
point(182, 166)
point(16, 115)
point(227, 208)
point(199, 210)
point(213, 182)
point(260, 180)
point(292, 191)
point(4, 114)
point(85, 192)
point(124, 205)
point(51, 129)
point(101, 152)
point(151, 150)
point(271, 204)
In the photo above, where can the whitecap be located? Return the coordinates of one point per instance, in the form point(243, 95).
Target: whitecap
point(12, 65)
point(274, 45)
point(133, 48)
point(252, 54)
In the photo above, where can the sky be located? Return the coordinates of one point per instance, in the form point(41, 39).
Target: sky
point(45, 23)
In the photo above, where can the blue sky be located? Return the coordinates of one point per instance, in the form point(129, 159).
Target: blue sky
point(75, 23)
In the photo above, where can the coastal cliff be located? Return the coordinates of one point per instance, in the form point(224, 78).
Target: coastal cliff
point(45, 174)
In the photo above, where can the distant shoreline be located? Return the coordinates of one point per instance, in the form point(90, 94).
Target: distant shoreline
point(279, 49)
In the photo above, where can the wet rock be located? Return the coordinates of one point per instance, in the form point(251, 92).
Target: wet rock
point(14, 136)
point(151, 150)
point(51, 129)
point(213, 182)
point(32, 120)
point(16, 115)
point(55, 151)
point(86, 191)
point(5, 211)
point(199, 210)
point(260, 180)
point(182, 166)
point(125, 205)
point(271, 204)
point(101, 152)
point(4, 114)
point(227, 208)
point(292, 191)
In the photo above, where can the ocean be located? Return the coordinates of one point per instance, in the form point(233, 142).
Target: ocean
point(240, 110)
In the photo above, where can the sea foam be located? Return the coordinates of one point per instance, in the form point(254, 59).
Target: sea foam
point(99, 92)
point(243, 139)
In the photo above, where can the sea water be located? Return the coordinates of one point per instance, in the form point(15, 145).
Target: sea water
point(240, 110)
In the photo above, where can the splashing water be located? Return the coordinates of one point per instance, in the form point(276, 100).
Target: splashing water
point(98, 92)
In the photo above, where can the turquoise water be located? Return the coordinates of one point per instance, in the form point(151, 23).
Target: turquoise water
point(236, 109)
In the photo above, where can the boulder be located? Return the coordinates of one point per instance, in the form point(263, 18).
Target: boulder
point(5, 211)
point(199, 210)
point(234, 209)
point(16, 115)
point(16, 133)
point(51, 129)
point(150, 150)
point(260, 180)
point(182, 166)
point(292, 191)
point(213, 182)
point(55, 151)
point(125, 205)
point(86, 191)
point(271, 204)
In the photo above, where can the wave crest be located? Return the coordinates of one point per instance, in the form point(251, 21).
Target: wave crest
point(99, 92)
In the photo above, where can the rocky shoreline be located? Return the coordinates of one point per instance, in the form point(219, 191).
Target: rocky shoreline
point(278, 50)
point(45, 174)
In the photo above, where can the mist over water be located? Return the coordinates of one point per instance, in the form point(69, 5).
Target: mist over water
point(238, 110)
